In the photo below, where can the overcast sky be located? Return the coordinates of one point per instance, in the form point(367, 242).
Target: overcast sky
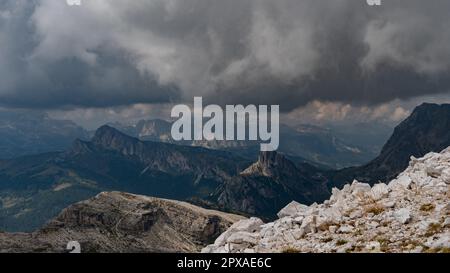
point(122, 59)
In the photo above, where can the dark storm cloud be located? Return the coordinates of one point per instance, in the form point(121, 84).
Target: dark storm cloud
point(71, 82)
point(31, 79)
point(364, 56)
point(290, 52)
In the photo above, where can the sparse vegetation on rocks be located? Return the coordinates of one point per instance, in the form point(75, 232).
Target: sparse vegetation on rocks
point(427, 207)
point(409, 214)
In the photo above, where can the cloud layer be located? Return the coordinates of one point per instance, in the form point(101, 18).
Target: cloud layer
point(288, 52)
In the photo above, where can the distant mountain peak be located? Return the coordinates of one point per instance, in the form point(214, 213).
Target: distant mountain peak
point(107, 136)
point(28, 132)
point(153, 128)
point(426, 130)
point(270, 164)
point(428, 105)
point(427, 111)
point(156, 122)
point(107, 130)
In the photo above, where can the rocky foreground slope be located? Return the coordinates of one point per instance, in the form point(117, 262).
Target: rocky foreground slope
point(122, 222)
point(410, 214)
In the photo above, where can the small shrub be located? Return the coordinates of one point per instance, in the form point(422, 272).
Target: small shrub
point(358, 248)
point(291, 250)
point(385, 249)
point(341, 242)
point(383, 241)
point(375, 209)
point(427, 207)
point(445, 250)
point(351, 249)
point(433, 228)
point(358, 232)
point(324, 226)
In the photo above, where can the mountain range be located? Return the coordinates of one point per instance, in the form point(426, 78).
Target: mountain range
point(35, 188)
point(306, 143)
point(33, 132)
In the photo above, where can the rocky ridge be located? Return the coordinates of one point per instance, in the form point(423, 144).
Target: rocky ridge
point(123, 222)
point(410, 214)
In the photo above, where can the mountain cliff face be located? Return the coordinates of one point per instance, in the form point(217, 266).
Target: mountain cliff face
point(270, 164)
point(122, 222)
point(161, 157)
point(270, 183)
point(427, 129)
point(410, 214)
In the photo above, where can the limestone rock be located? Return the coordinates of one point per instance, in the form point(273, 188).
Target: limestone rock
point(403, 215)
point(379, 191)
point(242, 237)
point(360, 188)
point(346, 229)
point(292, 209)
point(404, 181)
point(410, 214)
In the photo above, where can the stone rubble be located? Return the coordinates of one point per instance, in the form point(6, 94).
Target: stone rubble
point(410, 214)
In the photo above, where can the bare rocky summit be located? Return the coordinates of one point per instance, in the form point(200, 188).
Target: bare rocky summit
point(123, 222)
point(410, 214)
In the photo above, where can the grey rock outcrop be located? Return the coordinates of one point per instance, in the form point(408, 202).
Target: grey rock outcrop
point(410, 214)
